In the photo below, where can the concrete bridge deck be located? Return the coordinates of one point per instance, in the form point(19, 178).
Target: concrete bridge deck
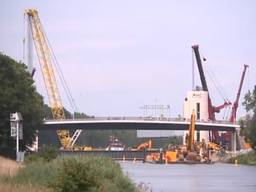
point(136, 123)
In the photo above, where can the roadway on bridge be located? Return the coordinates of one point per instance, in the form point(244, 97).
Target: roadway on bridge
point(124, 123)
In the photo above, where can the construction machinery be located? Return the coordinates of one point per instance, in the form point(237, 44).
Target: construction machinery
point(226, 137)
point(191, 133)
point(145, 145)
point(195, 151)
point(213, 135)
point(46, 60)
point(192, 152)
point(235, 104)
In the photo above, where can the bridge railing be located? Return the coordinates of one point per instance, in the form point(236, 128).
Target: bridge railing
point(177, 119)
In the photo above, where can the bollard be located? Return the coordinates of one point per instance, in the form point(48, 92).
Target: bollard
point(134, 160)
point(123, 158)
point(236, 162)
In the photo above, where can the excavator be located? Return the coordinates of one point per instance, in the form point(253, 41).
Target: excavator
point(46, 59)
point(145, 145)
point(196, 152)
point(192, 152)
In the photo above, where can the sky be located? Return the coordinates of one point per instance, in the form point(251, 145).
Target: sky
point(117, 55)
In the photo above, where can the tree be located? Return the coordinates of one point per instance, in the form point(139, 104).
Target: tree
point(48, 112)
point(78, 115)
point(249, 123)
point(18, 94)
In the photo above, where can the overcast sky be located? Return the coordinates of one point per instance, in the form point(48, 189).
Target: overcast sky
point(120, 55)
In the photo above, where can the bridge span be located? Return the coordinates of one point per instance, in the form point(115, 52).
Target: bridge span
point(136, 123)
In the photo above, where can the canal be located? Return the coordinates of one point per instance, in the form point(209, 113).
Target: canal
point(193, 178)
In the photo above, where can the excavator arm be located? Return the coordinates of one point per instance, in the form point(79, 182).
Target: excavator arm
point(146, 145)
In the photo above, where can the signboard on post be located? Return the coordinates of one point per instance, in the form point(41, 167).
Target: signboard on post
point(16, 124)
point(13, 128)
point(17, 132)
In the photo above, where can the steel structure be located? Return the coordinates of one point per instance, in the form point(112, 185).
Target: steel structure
point(226, 137)
point(235, 104)
point(45, 58)
point(211, 109)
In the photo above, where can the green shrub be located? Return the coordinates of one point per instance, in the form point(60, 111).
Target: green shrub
point(94, 174)
point(46, 153)
point(38, 173)
point(248, 159)
point(91, 174)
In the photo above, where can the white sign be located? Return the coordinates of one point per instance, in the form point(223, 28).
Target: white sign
point(13, 128)
point(15, 122)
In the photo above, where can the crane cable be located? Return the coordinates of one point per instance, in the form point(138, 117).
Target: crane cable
point(215, 82)
point(61, 76)
point(248, 79)
point(226, 113)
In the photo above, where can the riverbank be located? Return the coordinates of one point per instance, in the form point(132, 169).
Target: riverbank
point(9, 169)
point(246, 158)
point(65, 174)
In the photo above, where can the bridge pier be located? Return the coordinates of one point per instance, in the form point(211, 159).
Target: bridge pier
point(233, 141)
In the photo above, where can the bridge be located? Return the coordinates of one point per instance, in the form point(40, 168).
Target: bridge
point(140, 123)
point(136, 123)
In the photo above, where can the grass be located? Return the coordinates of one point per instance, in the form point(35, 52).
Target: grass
point(9, 187)
point(8, 170)
point(76, 174)
point(9, 167)
point(92, 174)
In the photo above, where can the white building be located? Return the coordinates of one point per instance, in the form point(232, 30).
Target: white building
point(198, 101)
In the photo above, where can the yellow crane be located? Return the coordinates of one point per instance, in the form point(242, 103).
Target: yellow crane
point(45, 58)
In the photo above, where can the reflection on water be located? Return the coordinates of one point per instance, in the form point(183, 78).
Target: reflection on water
point(193, 178)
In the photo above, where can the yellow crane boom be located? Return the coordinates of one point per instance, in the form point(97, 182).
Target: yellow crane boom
point(46, 64)
point(191, 133)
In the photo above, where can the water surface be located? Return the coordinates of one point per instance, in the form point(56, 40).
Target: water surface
point(193, 178)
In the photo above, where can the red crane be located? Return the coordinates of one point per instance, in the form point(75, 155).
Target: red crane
point(235, 104)
point(226, 137)
point(214, 135)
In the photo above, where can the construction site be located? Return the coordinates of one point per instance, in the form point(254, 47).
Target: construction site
point(198, 146)
point(129, 96)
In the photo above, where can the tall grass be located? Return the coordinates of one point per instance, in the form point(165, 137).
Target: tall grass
point(9, 167)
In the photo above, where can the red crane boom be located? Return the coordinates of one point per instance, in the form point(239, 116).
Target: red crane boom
point(226, 137)
point(235, 104)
